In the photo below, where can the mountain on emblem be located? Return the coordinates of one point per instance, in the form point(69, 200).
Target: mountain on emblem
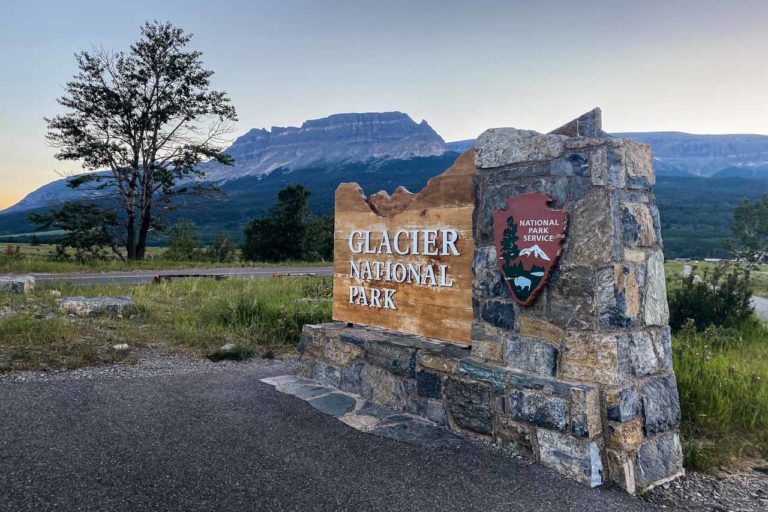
point(528, 235)
point(536, 251)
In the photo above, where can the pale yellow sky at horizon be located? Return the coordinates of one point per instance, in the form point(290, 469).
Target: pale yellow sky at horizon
point(697, 67)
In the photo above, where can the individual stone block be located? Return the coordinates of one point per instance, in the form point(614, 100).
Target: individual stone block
point(598, 166)
point(514, 437)
point(17, 284)
point(489, 350)
point(618, 298)
point(340, 353)
point(590, 230)
point(589, 124)
point(575, 458)
point(661, 404)
point(623, 404)
point(571, 164)
point(542, 410)
point(535, 328)
point(429, 384)
point(591, 357)
point(621, 469)
point(441, 362)
point(498, 313)
point(627, 436)
point(503, 146)
point(585, 412)
point(659, 460)
point(637, 225)
point(326, 375)
point(616, 174)
point(397, 359)
point(641, 352)
point(311, 345)
point(638, 160)
point(656, 308)
point(530, 355)
point(571, 298)
point(91, 306)
point(494, 375)
point(487, 280)
point(382, 388)
point(433, 410)
point(352, 378)
point(469, 404)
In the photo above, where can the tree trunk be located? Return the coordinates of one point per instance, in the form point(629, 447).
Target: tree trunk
point(146, 222)
point(130, 239)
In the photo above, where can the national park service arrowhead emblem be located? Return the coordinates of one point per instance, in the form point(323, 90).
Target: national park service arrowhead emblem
point(529, 236)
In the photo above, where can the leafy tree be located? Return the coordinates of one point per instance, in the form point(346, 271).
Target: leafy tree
point(89, 230)
point(290, 231)
point(223, 250)
point(718, 297)
point(750, 227)
point(145, 118)
point(183, 241)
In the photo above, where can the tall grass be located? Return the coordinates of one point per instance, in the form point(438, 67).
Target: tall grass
point(722, 377)
point(196, 315)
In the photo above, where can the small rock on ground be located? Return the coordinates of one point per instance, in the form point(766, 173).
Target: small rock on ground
point(87, 306)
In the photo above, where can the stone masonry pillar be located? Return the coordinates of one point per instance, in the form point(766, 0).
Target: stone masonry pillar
point(601, 321)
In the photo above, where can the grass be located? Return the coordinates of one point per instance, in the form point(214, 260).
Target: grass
point(195, 316)
point(759, 278)
point(722, 377)
point(37, 258)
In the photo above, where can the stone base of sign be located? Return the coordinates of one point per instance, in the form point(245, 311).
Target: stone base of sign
point(553, 421)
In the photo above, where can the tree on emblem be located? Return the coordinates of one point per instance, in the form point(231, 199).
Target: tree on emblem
point(509, 242)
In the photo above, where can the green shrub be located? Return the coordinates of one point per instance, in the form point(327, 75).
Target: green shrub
point(719, 296)
point(183, 242)
point(223, 250)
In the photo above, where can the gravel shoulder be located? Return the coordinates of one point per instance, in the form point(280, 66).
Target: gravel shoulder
point(173, 433)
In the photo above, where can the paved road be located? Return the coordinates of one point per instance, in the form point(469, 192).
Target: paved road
point(45, 280)
point(761, 307)
point(215, 438)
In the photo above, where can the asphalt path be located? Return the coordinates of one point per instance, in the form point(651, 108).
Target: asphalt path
point(218, 439)
point(135, 277)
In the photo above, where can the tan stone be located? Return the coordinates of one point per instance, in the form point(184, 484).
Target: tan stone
point(598, 166)
point(656, 308)
point(638, 160)
point(488, 350)
point(536, 328)
point(627, 282)
point(438, 363)
point(590, 358)
point(641, 212)
point(315, 349)
point(621, 470)
point(341, 353)
point(634, 255)
point(590, 229)
point(625, 436)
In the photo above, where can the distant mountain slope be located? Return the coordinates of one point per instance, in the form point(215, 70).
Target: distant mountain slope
point(337, 138)
point(760, 173)
point(702, 155)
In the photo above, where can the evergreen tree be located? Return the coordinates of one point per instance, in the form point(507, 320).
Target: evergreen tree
point(509, 242)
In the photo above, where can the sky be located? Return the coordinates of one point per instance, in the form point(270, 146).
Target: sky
point(696, 66)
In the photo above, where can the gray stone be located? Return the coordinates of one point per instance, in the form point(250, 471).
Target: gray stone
point(656, 308)
point(429, 384)
point(491, 374)
point(611, 302)
point(383, 388)
point(433, 410)
point(625, 407)
point(544, 411)
point(352, 378)
point(88, 306)
point(395, 358)
point(503, 146)
point(326, 375)
point(571, 164)
point(487, 280)
point(422, 434)
point(498, 313)
point(575, 458)
point(570, 301)
point(514, 437)
point(17, 284)
point(661, 404)
point(616, 174)
point(333, 404)
point(589, 124)
point(531, 355)
point(662, 344)
point(659, 459)
point(469, 404)
point(640, 354)
point(521, 380)
point(590, 230)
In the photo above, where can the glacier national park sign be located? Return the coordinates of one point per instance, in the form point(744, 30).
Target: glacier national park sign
point(529, 236)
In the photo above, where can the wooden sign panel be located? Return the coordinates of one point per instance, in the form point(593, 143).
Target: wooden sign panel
point(405, 262)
